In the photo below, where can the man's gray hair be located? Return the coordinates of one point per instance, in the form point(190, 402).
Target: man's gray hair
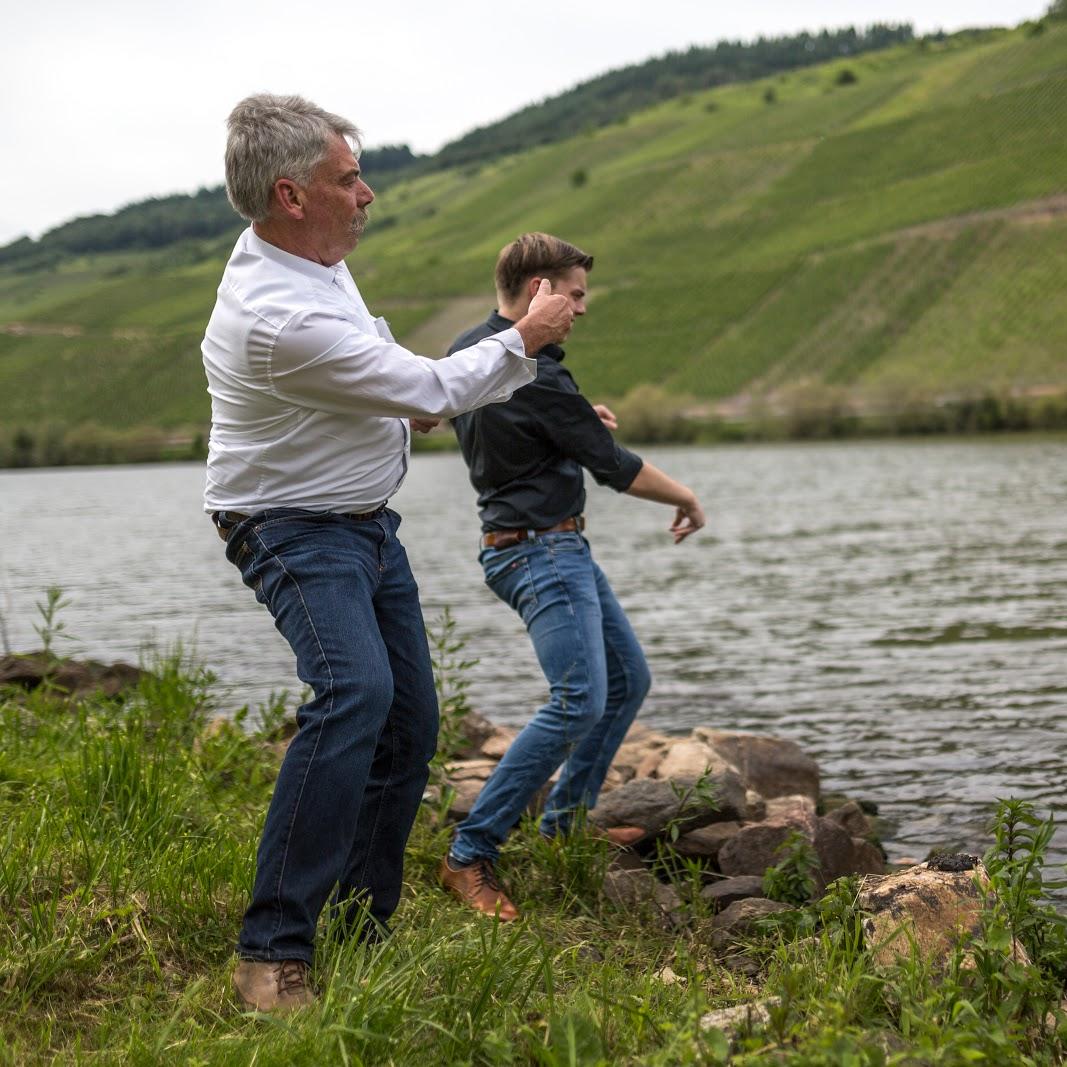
point(274, 137)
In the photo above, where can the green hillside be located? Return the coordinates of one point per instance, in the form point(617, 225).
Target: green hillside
point(891, 228)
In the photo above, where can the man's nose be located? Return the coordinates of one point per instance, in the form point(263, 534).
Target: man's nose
point(366, 196)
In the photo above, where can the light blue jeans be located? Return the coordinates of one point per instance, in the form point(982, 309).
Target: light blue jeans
point(597, 678)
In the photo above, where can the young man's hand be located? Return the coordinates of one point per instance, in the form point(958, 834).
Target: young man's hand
point(606, 416)
point(423, 425)
point(688, 518)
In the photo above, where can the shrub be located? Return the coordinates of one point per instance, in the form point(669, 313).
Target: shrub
point(648, 414)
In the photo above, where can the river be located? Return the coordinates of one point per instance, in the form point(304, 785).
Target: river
point(897, 608)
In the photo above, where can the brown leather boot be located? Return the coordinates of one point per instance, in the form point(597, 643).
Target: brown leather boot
point(476, 885)
point(279, 986)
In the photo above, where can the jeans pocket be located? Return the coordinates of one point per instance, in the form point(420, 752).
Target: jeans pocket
point(512, 581)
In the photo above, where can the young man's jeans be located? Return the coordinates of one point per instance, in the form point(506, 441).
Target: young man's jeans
point(597, 679)
point(342, 594)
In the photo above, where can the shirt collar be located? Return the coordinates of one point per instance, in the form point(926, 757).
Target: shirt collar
point(499, 323)
point(259, 247)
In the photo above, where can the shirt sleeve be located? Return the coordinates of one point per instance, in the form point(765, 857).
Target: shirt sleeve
point(568, 420)
point(324, 362)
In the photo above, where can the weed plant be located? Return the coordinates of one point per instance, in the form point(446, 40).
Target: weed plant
point(127, 838)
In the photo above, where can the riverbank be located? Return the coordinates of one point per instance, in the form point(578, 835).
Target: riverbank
point(130, 831)
point(647, 416)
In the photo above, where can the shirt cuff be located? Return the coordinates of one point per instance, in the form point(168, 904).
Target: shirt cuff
point(511, 339)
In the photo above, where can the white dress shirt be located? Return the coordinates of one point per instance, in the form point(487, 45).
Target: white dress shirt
point(310, 395)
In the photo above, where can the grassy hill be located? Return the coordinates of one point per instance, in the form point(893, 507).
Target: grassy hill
point(887, 230)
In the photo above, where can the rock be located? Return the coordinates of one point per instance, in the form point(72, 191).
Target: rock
point(796, 810)
point(955, 863)
point(497, 743)
point(753, 849)
point(727, 891)
point(757, 806)
point(615, 778)
point(850, 816)
point(835, 850)
point(867, 858)
point(627, 860)
point(930, 907)
point(654, 804)
point(770, 765)
point(667, 976)
point(707, 840)
point(740, 1019)
point(690, 759)
point(470, 769)
point(463, 798)
point(475, 729)
point(739, 919)
point(741, 963)
point(69, 677)
point(758, 846)
point(630, 889)
point(649, 762)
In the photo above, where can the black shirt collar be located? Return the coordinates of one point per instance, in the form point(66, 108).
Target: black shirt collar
point(499, 323)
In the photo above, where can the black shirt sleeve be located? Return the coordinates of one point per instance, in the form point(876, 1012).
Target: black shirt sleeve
point(566, 419)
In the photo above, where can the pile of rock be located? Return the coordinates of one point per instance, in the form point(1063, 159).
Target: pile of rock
point(731, 799)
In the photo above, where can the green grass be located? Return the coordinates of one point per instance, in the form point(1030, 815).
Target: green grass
point(899, 234)
point(126, 856)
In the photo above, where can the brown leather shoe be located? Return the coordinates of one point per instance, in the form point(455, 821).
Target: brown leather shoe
point(476, 886)
point(279, 986)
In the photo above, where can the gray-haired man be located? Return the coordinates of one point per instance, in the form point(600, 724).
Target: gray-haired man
point(311, 402)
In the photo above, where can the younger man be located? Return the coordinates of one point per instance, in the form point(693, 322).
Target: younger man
point(526, 458)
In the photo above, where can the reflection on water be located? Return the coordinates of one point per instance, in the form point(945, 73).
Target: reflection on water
point(897, 609)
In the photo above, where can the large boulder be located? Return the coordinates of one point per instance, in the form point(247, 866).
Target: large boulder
point(655, 805)
point(771, 766)
point(923, 905)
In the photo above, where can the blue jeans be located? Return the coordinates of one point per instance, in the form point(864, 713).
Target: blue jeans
point(342, 594)
point(597, 679)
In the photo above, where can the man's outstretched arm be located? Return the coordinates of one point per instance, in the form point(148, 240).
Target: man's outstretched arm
point(652, 484)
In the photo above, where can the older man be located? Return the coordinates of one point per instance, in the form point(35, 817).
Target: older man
point(311, 401)
point(526, 459)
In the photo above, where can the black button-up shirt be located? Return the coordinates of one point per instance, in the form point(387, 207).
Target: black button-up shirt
point(526, 455)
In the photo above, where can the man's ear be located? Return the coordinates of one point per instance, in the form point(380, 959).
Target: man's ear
point(289, 198)
point(532, 286)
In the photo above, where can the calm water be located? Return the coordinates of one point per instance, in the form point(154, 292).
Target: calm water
point(898, 609)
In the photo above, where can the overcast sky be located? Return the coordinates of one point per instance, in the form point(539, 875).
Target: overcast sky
point(109, 102)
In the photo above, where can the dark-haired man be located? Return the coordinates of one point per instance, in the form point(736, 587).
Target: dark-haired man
point(526, 458)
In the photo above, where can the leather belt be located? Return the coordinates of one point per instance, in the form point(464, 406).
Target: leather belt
point(233, 518)
point(507, 538)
